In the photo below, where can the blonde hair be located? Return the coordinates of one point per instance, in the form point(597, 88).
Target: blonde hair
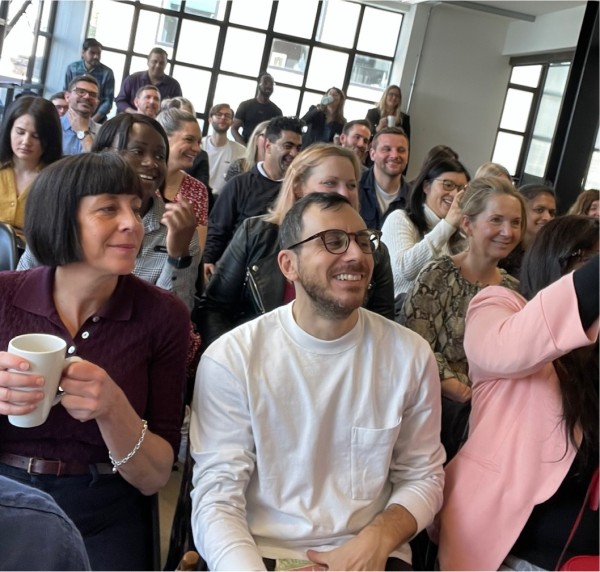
point(249, 159)
point(478, 192)
point(300, 169)
point(490, 169)
point(381, 104)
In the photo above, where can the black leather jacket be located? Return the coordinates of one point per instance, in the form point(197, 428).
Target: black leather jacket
point(248, 281)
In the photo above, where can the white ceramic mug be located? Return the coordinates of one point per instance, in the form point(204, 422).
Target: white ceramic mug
point(46, 356)
point(326, 100)
point(391, 121)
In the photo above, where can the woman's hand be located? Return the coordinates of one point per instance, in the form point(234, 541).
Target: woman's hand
point(453, 389)
point(180, 221)
point(454, 215)
point(90, 392)
point(382, 124)
point(14, 401)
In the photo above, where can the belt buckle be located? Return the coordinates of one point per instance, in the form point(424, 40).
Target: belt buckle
point(32, 460)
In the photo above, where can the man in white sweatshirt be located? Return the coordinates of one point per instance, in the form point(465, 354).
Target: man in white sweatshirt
point(316, 427)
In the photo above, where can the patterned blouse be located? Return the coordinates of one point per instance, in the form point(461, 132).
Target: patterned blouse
point(436, 308)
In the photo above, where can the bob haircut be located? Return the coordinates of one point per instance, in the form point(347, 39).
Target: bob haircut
point(479, 191)
point(300, 169)
point(429, 171)
point(51, 227)
point(584, 201)
point(172, 120)
point(558, 245)
point(47, 125)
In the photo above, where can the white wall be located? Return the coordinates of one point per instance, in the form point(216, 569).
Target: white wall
point(459, 86)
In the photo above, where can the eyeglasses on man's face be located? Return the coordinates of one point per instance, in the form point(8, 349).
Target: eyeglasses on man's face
point(79, 91)
point(450, 185)
point(220, 115)
point(337, 241)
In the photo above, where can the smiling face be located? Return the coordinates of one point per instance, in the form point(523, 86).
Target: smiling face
point(146, 152)
point(156, 66)
point(439, 200)
point(594, 210)
point(184, 145)
point(24, 140)
point(110, 232)
point(266, 85)
point(390, 154)
point(279, 154)
point(358, 140)
point(332, 175)
point(83, 98)
point(495, 231)
point(392, 100)
point(148, 102)
point(540, 211)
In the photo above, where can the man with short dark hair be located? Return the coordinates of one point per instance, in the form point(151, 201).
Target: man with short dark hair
point(383, 188)
point(147, 101)
point(59, 101)
point(79, 129)
point(356, 135)
point(315, 428)
point(221, 150)
point(252, 193)
point(154, 75)
point(90, 64)
point(256, 110)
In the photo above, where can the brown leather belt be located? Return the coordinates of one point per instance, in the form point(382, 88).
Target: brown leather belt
point(36, 466)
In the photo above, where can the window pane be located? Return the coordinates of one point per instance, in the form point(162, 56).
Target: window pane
point(116, 62)
point(39, 60)
point(111, 20)
point(294, 20)
point(168, 4)
point(197, 43)
point(507, 150)
point(592, 181)
point(234, 90)
point(194, 85)
point(526, 75)
point(333, 13)
point(556, 79)
point(356, 109)
point(253, 45)
point(47, 10)
point(516, 110)
point(155, 30)
point(379, 32)
point(287, 62)
point(370, 76)
point(140, 64)
point(287, 99)
point(545, 122)
point(309, 98)
point(327, 68)
point(255, 14)
point(18, 45)
point(208, 8)
point(537, 157)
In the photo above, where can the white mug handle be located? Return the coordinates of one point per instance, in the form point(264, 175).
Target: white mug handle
point(60, 392)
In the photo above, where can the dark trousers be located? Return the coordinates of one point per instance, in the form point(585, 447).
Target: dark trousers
point(114, 518)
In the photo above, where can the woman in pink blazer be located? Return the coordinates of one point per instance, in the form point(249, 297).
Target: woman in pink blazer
point(514, 490)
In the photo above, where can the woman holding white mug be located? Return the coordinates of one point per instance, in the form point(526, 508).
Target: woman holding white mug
point(325, 120)
point(110, 442)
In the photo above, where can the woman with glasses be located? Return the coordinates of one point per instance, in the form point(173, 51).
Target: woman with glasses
point(255, 152)
point(492, 216)
point(429, 227)
point(325, 120)
point(30, 139)
point(248, 281)
point(515, 489)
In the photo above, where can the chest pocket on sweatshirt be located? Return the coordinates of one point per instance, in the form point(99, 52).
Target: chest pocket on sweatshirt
point(370, 457)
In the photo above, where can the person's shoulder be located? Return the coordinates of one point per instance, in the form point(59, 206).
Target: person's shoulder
point(105, 69)
point(397, 217)
point(367, 180)
point(237, 148)
point(192, 182)
point(387, 331)
point(11, 280)
point(150, 297)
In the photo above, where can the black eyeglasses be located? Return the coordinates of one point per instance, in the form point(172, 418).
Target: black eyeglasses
point(338, 241)
point(220, 115)
point(84, 93)
point(450, 185)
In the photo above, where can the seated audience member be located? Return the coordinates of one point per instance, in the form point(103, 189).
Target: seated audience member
point(59, 101)
point(248, 282)
point(429, 227)
point(110, 442)
point(389, 105)
point(90, 64)
point(36, 533)
point(541, 209)
point(533, 361)
point(383, 188)
point(325, 120)
point(147, 101)
point(154, 75)
point(252, 193)
point(255, 152)
point(170, 255)
point(587, 203)
point(78, 127)
point(222, 152)
point(30, 139)
point(252, 111)
point(493, 219)
point(490, 169)
point(184, 136)
point(356, 135)
point(355, 470)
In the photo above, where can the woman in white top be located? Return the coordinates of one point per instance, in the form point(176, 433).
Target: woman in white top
point(429, 224)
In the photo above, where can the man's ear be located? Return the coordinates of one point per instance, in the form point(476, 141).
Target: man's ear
point(288, 264)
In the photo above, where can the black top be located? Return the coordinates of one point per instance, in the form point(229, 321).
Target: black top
point(318, 128)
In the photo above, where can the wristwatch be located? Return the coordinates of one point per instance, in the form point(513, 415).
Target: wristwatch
point(180, 262)
point(81, 134)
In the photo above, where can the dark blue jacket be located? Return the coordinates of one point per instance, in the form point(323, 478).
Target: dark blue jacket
point(369, 207)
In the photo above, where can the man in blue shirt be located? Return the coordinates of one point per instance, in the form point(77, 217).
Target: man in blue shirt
point(89, 64)
point(79, 129)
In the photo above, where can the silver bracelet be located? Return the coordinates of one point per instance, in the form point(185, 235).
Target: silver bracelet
point(117, 464)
